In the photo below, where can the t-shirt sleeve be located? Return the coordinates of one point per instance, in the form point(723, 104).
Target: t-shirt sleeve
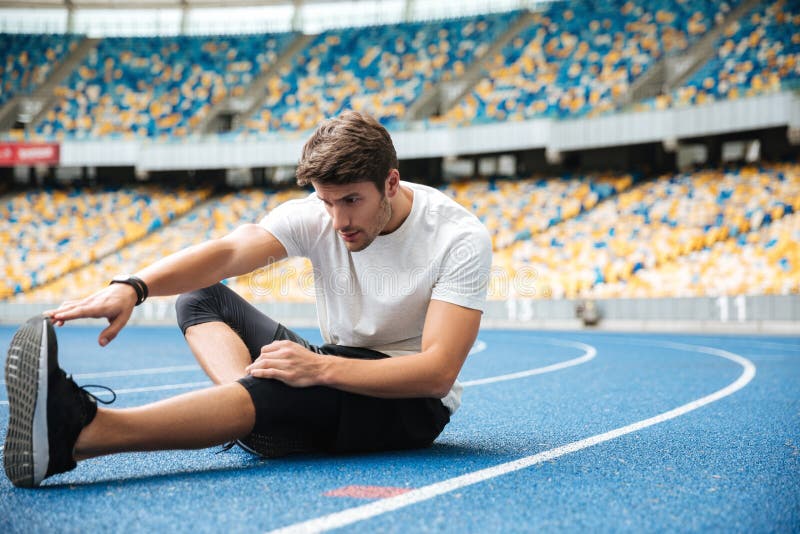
point(465, 271)
point(291, 223)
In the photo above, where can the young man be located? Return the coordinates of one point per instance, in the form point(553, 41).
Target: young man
point(400, 273)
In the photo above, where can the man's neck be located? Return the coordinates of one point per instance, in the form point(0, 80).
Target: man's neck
point(401, 208)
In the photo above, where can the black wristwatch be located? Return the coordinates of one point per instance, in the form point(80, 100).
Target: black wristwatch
point(135, 282)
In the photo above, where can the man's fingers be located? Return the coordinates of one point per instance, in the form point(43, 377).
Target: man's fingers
point(107, 335)
point(61, 309)
point(77, 312)
point(275, 346)
point(277, 374)
point(266, 363)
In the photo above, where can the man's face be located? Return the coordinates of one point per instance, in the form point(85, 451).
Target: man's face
point(359, 212)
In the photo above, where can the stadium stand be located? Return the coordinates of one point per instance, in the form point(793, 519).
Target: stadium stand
point(156, 87)
point(579, 57)
point(48, 233)
point(515, 209)
point(763, 262)
point(380, 69)
point(758, 53)
point(588, 236)
point(29, 59)
point(654, 224)
point(211, 219)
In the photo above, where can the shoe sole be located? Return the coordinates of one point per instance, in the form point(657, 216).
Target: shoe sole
point(26, 453)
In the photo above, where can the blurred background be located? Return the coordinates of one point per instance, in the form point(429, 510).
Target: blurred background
point(636, 162)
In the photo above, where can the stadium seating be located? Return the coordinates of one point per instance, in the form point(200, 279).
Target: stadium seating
point(378, 69)
point(515, 209)
point(211, 219)
point(758, 53)
point(655, 224)
point(45, 234)
point(590, 236)
point(578, 57)
point(156, 87)
point(764, 262)
point(28, 59)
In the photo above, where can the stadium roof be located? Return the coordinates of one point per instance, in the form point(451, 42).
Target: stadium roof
point(150, 4)
point(109, 18)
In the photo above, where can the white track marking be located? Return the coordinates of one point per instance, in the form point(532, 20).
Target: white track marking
point(479, 346)
point(589, 353)
point(770, 344)
point(165, 387)
point(135, 372)
point(367, 511)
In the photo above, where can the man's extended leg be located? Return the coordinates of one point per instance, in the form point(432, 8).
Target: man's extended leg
point(190, 421)
point(51, 418)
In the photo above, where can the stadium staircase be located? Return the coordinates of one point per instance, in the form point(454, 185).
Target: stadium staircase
point(30, 109)
point(673, 70)
point(239, 109)
point(444, 95)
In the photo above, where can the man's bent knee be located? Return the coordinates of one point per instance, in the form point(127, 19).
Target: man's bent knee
point(199, 306)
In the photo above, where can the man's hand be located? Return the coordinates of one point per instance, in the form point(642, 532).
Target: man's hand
point(289, 362)
point(114, 302)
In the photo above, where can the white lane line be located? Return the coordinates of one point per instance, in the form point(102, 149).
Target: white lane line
point(135, 372)
point(742, 341)
point(367, 511)
point(165, 387)
point(589, 353)
point(479, 346)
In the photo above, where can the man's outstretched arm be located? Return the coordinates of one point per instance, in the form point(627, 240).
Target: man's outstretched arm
point(447, 337)
point(242, 251)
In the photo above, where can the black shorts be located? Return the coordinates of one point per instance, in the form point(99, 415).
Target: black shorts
point(317, 418)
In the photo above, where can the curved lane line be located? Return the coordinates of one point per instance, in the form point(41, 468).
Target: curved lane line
point(537, 371)
point(479, 346)
point(135, 372)
point(367, 511)
point(589, 353)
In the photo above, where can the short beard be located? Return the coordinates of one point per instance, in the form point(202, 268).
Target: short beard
point(383, 218)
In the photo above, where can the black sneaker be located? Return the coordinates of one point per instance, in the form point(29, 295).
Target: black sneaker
point(47, 409)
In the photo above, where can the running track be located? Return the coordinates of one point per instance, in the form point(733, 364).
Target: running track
point(559, 431)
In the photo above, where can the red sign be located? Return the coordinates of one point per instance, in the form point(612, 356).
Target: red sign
point(12, 154)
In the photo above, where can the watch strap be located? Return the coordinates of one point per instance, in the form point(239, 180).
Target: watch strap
point(136, 283)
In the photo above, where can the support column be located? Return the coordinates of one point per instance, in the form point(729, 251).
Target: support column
point(70, 16)
point(297, 16)
point(408, 12)
point(184, 17)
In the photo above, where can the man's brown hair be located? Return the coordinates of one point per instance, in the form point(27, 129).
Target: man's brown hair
point(350, 148)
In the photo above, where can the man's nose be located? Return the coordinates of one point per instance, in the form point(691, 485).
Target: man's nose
point(340, 219)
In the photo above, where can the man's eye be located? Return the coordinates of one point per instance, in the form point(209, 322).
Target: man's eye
point(352, 200)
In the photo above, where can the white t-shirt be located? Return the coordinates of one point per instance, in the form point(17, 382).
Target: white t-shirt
point(377, 298)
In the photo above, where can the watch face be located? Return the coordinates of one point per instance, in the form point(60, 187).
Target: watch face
point(121, 278)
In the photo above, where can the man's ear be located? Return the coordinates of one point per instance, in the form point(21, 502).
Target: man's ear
point(392, 184)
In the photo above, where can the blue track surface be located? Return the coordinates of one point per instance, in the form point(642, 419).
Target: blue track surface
point(732, 464)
